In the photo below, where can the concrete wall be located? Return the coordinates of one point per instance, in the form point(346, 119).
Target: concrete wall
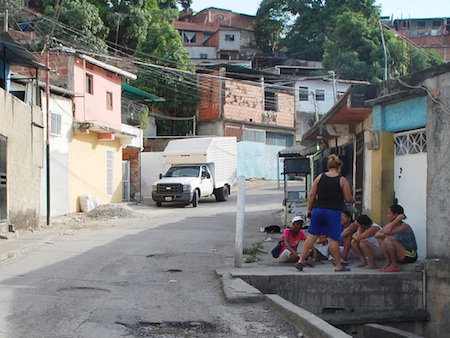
point(20, 125)
point(311, 105)
point(88, 167)
point(59, 159)
point(358, 294)
point(405, 115)
point(152, 165)
point(438, 297)
point(438, 181)
point(258, 160)
point(438, 212)
point(195, 51)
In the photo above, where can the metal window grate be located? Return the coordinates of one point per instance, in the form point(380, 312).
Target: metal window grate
point(410, 143)
point(126, 180)
point(109, 172)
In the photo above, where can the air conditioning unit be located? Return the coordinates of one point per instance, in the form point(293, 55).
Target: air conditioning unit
point(371, 140)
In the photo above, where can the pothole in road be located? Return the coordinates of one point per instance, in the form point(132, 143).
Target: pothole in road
point(174, 270)
point(172, 329)
point(83, 288)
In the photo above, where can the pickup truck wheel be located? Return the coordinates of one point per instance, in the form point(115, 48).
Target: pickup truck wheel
point(222, 194)
point(195, 199)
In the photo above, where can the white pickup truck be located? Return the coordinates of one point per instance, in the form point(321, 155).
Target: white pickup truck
point(200, 167)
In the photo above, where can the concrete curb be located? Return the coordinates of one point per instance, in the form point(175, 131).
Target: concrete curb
point(304, 321)
point(18, 252)
point(238, 291)
point(18, 246)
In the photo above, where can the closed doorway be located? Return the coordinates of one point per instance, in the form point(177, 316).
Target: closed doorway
point(410, 181)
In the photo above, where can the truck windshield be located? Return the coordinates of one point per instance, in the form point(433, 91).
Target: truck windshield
point(183, 171)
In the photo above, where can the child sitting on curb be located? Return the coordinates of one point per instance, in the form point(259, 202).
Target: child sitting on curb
point(291, 239)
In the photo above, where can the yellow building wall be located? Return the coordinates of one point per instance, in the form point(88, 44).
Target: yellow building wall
point(88, 169)
point(382, 178)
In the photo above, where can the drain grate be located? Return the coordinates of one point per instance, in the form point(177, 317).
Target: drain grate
point(172, 329)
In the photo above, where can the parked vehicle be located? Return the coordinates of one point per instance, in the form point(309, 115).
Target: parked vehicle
point(200, 167)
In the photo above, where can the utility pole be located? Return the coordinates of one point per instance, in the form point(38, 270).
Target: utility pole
point(333, 79)
point(384, 51)
point(6, 17)
point(47, 139)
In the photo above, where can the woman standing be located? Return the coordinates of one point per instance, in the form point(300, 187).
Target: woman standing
point(325, 204)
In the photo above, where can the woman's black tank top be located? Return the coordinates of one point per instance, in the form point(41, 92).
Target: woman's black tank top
point(329, 193)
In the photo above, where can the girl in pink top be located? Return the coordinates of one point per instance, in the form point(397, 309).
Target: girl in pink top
point(292, 238)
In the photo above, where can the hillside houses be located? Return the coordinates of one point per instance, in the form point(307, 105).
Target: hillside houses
point(428, 33)
point(217, 34)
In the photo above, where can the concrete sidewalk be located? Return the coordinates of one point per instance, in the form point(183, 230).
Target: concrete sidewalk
point(16, 244)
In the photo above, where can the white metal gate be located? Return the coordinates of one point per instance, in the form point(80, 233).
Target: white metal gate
point(125, 180)
point(410, 181)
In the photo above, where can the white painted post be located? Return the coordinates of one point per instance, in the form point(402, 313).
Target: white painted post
point(239, 241)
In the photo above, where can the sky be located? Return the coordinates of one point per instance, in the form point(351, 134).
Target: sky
point(398, 9)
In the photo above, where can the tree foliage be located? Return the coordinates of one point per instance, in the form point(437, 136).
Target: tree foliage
point(344, 34)
point(164, 48)
point(270, 24)
point(353, 49)
point(76, 15)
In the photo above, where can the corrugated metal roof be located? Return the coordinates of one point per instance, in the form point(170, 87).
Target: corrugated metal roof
point(136, 94)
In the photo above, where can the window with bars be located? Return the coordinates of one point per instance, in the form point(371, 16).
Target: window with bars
point(410, 143)
point(109, 172)
point(320, 95)
point(254, 135)
point(270, 101)
point(303, 93)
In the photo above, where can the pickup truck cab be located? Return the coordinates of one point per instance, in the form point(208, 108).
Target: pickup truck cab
point(183, 184)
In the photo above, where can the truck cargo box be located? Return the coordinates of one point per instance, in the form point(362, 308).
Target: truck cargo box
point(219, 153)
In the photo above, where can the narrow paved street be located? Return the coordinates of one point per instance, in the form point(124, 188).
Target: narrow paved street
point(151, 274)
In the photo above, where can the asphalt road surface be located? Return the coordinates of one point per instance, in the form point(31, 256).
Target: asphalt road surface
point(152, 275)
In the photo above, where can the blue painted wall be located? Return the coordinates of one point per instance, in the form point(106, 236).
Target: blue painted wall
point(406, 115)
point(258, 160)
